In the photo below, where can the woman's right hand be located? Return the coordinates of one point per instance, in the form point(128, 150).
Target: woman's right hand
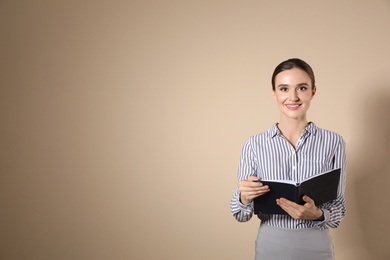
point(250, 189)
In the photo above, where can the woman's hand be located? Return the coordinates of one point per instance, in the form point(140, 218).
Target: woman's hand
point(296, 211)
point(250, 189)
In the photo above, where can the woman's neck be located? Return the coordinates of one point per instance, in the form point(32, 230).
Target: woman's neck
point(292, 129)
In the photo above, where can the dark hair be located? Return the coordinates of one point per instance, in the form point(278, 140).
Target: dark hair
point(290, 64)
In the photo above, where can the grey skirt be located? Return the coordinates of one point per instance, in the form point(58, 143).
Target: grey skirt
point(293, 244)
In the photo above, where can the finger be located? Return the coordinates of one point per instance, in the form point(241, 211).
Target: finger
point(250, 185)
point(253, 193)
point(287, 202)
point(307, 199)
point(292, 208)
point(294, 213)
point(258, 190)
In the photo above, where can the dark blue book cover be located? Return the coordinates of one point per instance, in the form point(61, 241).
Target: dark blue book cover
point(321, 188)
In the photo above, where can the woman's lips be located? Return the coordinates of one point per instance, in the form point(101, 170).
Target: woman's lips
point(293, 106)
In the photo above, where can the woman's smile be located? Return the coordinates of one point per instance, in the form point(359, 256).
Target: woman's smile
point(293, 106)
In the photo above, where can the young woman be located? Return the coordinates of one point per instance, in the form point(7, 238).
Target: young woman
point(293, 149)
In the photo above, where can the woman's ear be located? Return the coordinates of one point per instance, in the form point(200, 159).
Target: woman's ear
point(313, 91)
point(273, 94)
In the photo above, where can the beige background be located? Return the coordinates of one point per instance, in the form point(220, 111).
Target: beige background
point(122, 122)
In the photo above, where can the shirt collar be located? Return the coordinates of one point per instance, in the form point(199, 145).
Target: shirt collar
point(274, 131)
point(311, 128)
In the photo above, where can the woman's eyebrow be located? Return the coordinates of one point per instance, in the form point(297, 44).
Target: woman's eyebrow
point(287, 85)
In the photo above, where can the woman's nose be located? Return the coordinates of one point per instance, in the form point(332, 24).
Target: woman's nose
point(294, 96)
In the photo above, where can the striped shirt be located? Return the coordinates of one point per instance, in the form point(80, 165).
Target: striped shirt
point(270, 156)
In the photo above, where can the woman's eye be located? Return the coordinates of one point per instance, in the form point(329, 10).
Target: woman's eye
point(302, 88)
point(284, 89)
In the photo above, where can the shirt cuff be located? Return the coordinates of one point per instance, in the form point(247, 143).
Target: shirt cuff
point(325, 220)
point(248, 208)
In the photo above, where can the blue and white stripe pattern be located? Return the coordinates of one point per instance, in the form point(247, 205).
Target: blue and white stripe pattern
point(270, 156)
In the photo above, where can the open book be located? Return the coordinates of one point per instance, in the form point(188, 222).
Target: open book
point(321, 188)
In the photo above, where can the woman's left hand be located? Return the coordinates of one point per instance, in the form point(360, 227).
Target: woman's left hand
point(296, 211)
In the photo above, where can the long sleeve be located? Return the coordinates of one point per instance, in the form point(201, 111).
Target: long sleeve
point(247, 167)
point(335, 211)
point(241, 212)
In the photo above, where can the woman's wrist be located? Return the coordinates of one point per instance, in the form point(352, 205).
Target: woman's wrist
point(321, 215)
point(244, 201)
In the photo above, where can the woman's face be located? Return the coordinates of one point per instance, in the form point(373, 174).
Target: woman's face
point(293, 93)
